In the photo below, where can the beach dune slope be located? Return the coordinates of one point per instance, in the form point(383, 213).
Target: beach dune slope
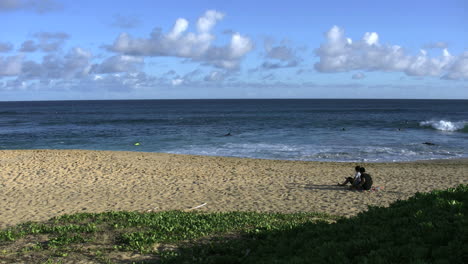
point(36, 185)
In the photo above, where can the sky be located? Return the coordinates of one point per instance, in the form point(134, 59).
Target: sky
point(142, 49)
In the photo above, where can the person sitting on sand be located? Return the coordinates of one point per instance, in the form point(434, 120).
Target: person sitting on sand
point(366, 180)
point(353, 180)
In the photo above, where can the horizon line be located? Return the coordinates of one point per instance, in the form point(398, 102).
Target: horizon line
point(207, 99)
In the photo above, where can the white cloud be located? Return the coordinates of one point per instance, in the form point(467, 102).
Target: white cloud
point(282, 53)
point(45, 41)
point(208, 21)
point(5, 47)
point(358, 76)
point(176, 82)
point(279, 56)
point(341, 54)
point(119, 63)
point(459, 69)
point(125, 82)
point(215, 76)
point(269, 77)
point(277, 65)
point(190, 76)
point(38, 6)
point(180, 27)
point(174, 79)
point(28, 46)
point(423, 65)
point(170, 72)
point(118, 82)
point(369, 38)
point(11, 65)
point(239, 45)
point(75, 64)
point(121, 21)
point(180, 43)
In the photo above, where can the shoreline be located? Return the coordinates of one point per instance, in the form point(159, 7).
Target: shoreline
point(39, 184)
point(461, 159)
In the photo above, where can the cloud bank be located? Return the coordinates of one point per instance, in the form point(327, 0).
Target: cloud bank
point(197, 46)
point(342, 54)
point(75, 64)
point(45, 42)
point(125, 68)
point(43, 62)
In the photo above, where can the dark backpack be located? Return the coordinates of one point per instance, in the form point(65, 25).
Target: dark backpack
point(368, 181)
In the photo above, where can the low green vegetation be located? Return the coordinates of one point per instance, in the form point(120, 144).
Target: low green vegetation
point(105, 237)
point(427, 228)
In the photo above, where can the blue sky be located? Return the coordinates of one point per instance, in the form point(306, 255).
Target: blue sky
point(62, 50)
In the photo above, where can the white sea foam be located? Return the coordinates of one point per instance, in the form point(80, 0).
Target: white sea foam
point(322, 153)
point(444, 125)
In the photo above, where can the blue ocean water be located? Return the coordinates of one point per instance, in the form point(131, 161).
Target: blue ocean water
point(309, 129)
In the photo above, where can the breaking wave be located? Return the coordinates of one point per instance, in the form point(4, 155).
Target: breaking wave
point(444, 125)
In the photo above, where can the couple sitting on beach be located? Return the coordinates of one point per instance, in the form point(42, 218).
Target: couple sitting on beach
point(361, 180)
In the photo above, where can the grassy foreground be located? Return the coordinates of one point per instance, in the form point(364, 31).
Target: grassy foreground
point(427, 228)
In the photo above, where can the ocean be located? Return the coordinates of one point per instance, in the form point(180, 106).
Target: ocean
point(284, 129)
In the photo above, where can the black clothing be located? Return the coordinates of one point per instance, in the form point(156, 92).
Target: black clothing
point(367, 181)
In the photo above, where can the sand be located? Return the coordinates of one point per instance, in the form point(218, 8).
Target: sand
point(36, 185)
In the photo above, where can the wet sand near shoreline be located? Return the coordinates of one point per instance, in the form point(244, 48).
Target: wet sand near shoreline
point(36, 185)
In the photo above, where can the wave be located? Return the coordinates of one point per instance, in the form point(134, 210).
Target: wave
point(444, 125)
point(91, 122)
point(279, 151)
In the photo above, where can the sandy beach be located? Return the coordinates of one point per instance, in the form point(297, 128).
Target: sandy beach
point(36, 185)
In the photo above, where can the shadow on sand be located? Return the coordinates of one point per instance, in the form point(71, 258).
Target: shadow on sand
point(334, 187)
point(329, 187)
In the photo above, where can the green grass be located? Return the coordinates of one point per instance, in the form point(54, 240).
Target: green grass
point(427, 228)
